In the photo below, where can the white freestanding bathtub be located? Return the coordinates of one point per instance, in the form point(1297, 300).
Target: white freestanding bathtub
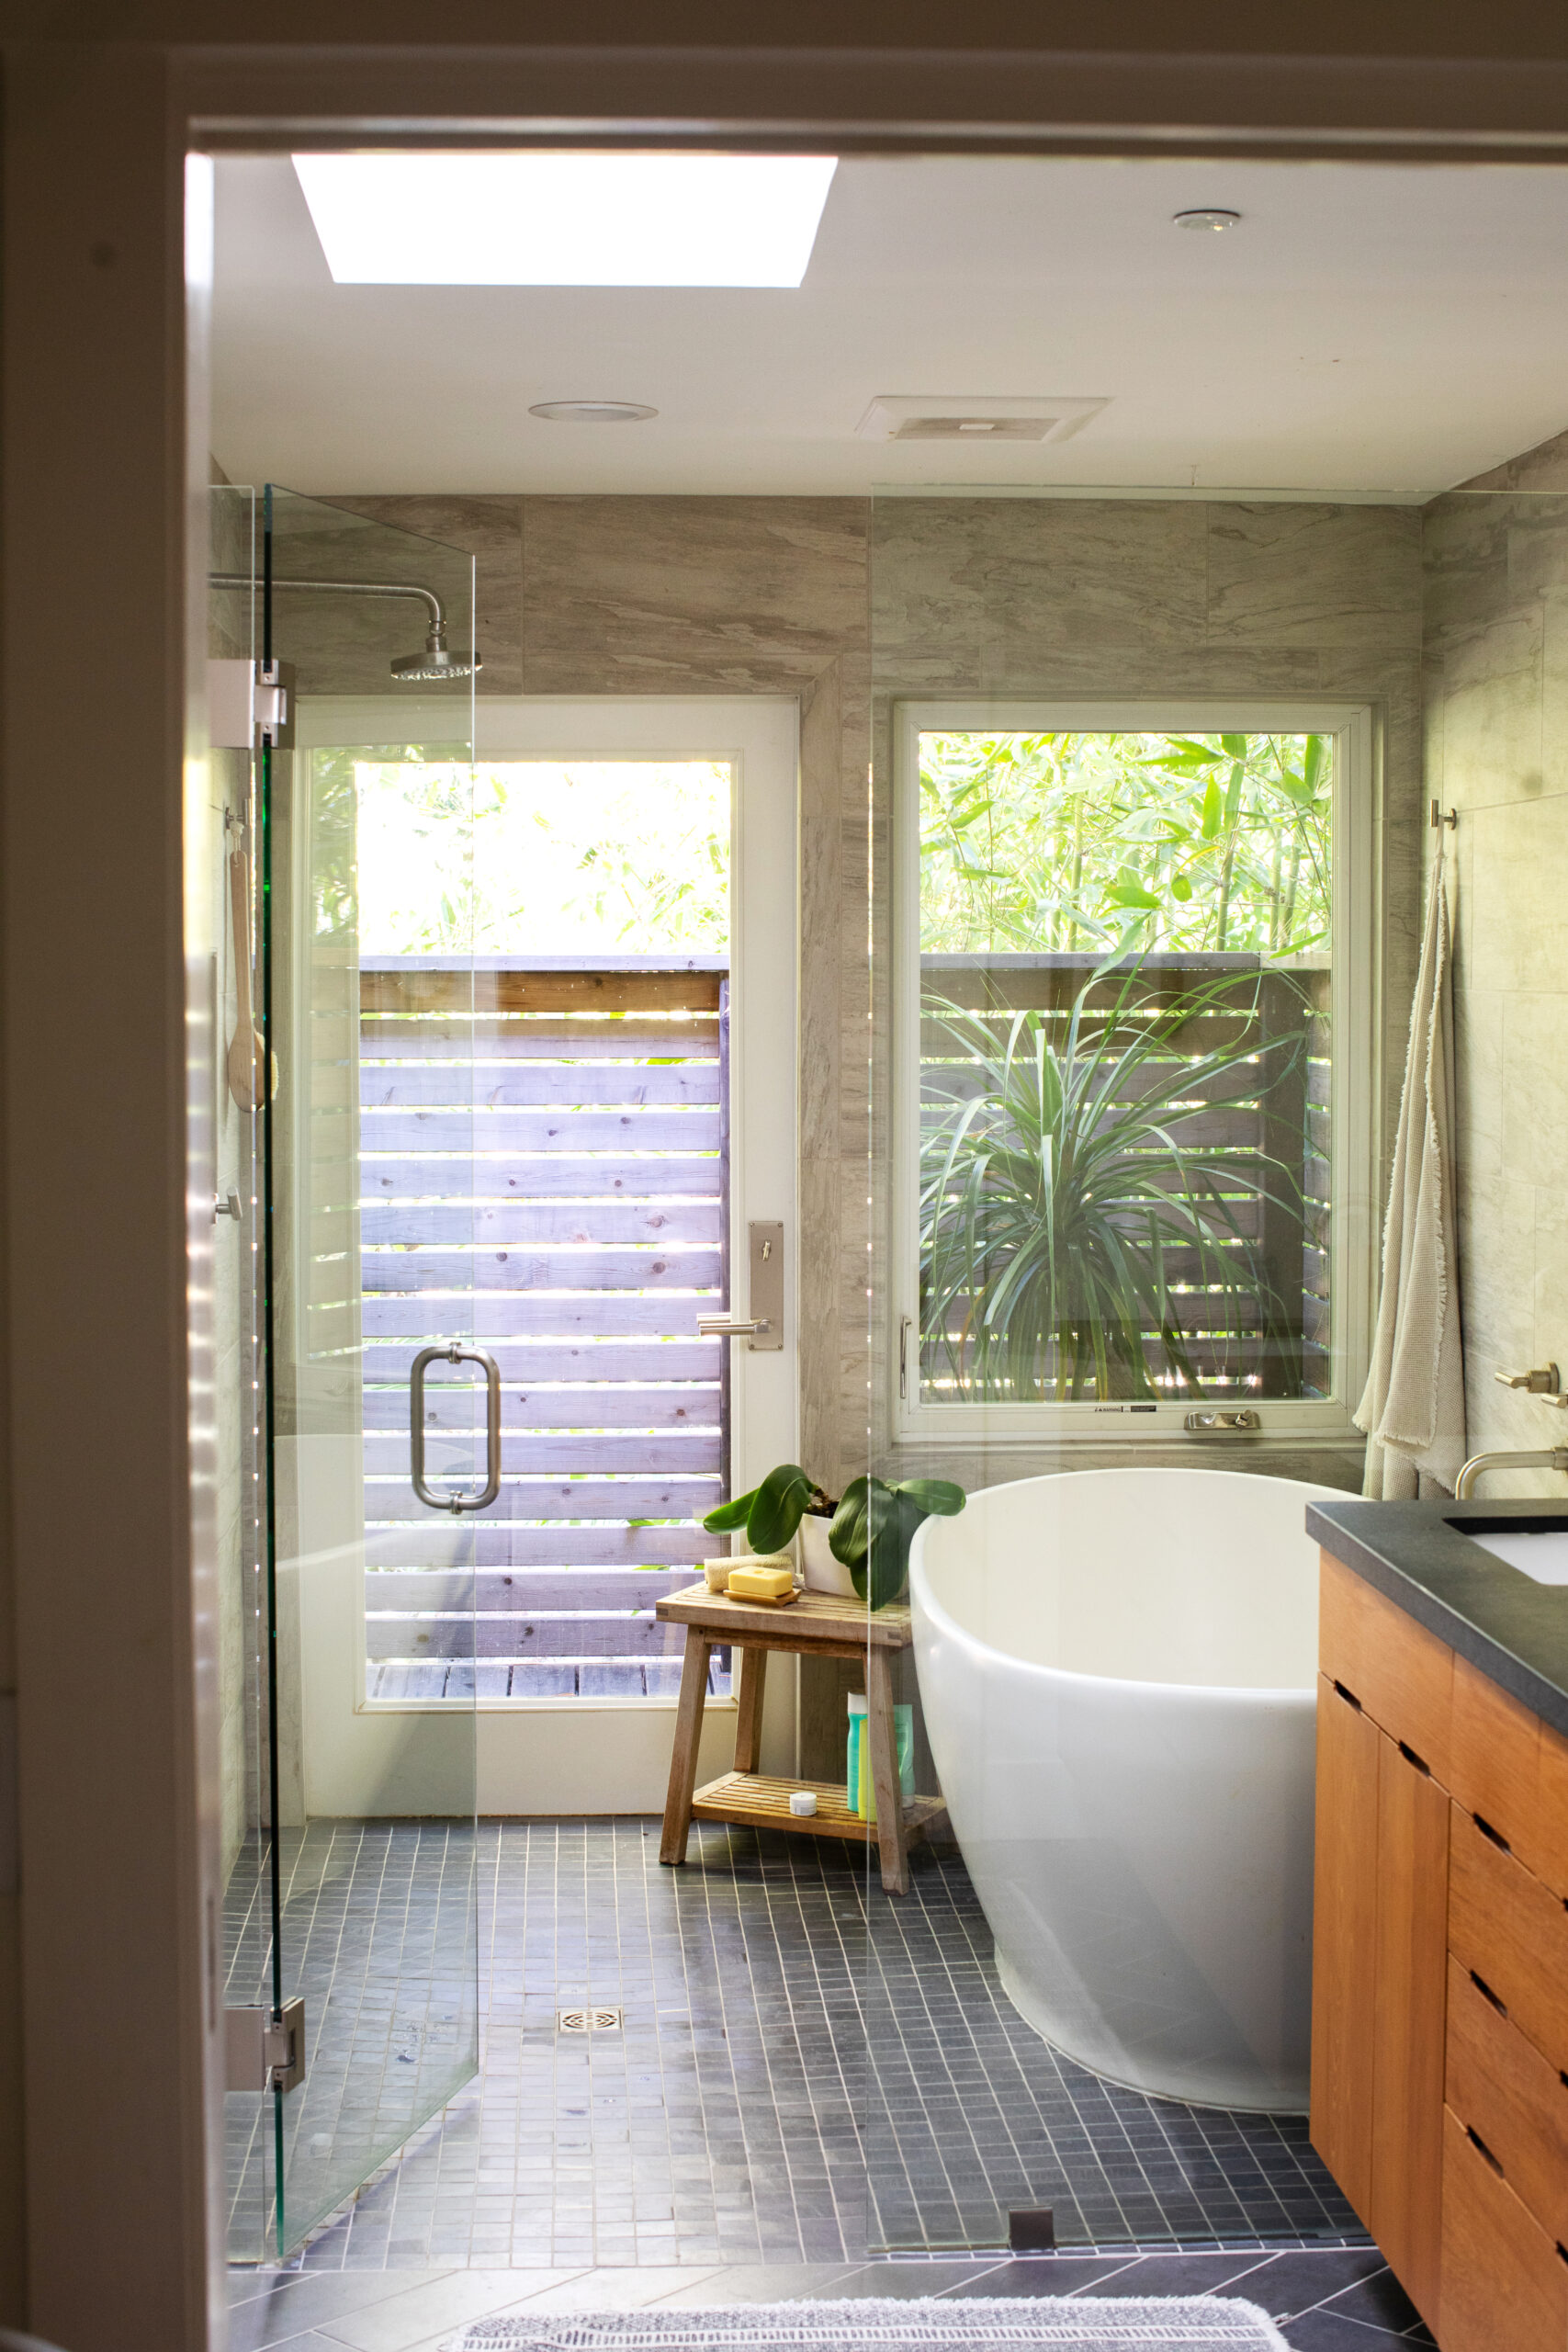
point(1118, 1672)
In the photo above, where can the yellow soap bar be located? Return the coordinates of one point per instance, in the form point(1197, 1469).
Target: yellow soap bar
point(761, 1584)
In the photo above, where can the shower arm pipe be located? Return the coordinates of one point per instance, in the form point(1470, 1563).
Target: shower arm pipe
point(1550, 1458)
point(426, 596)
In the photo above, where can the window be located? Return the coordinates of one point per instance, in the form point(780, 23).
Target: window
point(1132, 1091)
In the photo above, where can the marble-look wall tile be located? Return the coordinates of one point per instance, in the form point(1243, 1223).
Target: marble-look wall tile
point(1497, 1267)
point(1341, 577)
point(1543, 468)
point(1492, 676)
point(1537, 547)
point(1550, 1294)
point(820, 1336)
point(1518, 867)
point(1554, 685)
point(697, 595)
point(822, 910)
point(1535, 1085)
point(1478, 1065)
point(1497, 731)
point(971, 594)
point(1464, 561)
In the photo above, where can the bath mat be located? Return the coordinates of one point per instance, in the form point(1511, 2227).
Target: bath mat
point(975, 2324)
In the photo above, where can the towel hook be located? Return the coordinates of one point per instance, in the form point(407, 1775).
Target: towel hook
point(1440, 816)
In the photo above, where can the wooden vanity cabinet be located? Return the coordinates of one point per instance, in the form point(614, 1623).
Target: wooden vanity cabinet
point(1440, 2082)
point(1379, 1966)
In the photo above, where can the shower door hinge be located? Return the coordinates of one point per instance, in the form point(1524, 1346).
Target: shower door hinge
point(274, 703)
point(263, 2053)
point(250, 703)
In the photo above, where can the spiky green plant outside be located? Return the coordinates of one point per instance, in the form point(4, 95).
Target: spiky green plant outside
point(1065, 1223)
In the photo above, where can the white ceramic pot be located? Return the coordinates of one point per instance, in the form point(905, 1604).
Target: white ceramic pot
point(822, 1572)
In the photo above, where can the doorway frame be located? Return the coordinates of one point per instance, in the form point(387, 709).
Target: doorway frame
point(102, 393)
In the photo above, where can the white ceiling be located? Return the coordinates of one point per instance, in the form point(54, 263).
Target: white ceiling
point(1366, 328)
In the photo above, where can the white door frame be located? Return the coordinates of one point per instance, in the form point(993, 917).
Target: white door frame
point(546, 1756)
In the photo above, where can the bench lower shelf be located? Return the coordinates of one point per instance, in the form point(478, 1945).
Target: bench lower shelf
point(757, 1801)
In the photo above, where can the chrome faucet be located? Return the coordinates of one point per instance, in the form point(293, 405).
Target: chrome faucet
point(1552, 1458)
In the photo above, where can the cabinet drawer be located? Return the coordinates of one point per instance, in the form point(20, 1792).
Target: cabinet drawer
point(1504, 2282)
point(1509, 1768)
point(1513, 1932)
point(1499, 2085)
point(1402, 1674)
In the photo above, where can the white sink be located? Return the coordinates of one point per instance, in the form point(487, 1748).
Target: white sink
point(1538, 1552)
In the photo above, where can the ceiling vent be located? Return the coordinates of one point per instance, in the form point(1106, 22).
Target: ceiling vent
point(929, 416)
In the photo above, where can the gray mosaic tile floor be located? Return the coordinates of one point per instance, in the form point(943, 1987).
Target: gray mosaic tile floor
point(809, 2072)
point(380, 1928)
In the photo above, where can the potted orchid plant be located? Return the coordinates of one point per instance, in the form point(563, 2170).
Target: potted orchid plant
point(865, 1535)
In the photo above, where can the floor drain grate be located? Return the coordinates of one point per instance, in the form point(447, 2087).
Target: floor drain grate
point(592, 2019)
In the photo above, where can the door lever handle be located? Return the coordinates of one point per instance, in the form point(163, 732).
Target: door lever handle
point(764, 1252)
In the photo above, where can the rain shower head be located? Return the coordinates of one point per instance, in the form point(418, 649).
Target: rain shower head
point(435, 663)
point(434, 666)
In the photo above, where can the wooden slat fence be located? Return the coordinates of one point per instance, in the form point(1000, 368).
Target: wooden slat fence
point(1279, 1107)
point(552, 1172)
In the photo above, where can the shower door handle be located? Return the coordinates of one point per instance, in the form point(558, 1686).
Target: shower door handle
point(453, 1352)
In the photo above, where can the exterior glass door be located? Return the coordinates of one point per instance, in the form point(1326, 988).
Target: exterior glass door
point(352, 1889)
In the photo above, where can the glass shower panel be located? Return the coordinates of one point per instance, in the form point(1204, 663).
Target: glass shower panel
point(233, 641)
point(365, 1898)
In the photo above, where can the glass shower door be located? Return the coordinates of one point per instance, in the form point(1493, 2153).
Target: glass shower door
point(377, 1414)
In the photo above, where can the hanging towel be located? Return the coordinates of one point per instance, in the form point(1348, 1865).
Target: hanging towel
point(1412, 1409)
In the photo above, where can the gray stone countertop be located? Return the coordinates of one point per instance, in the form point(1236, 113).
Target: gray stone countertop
point(1514, 1630)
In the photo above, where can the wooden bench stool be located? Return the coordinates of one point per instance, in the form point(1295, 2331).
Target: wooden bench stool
point(816, 1624)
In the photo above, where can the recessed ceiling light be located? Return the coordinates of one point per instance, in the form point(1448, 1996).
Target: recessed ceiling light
point(544, 218)
point(593, 412)
point(1206, 220)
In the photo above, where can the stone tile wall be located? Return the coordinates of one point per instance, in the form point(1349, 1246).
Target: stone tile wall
point(1496, 593)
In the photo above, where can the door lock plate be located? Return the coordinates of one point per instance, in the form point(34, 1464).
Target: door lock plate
point(765, 1252)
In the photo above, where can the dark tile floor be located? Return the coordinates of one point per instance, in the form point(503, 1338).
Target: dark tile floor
point(380, 1939)
point(970, 2114)
point(1340, 2299)
point(809, 2072)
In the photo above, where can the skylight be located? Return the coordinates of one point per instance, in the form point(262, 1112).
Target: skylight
point(547, 219)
